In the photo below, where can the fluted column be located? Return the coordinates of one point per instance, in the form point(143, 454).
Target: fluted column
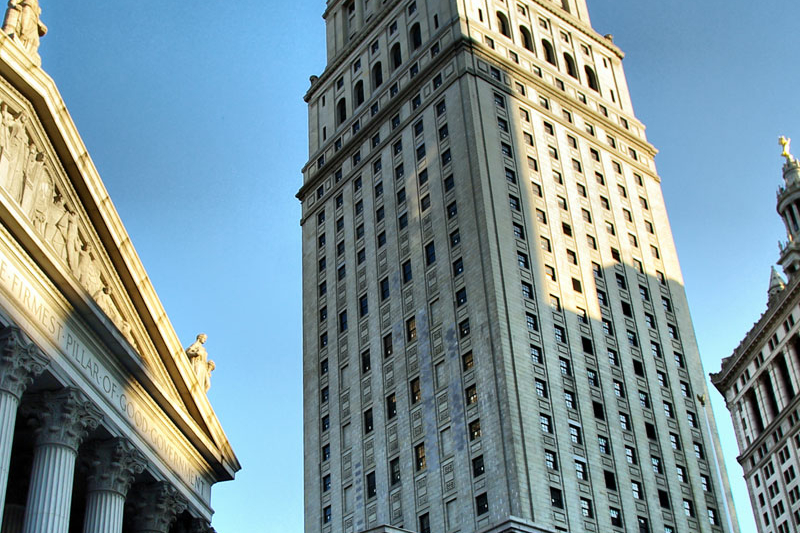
point(63, 419)
point(20, 362)
point(113, 465)
point(13, 518)
point(790, 357)
point(155, 508)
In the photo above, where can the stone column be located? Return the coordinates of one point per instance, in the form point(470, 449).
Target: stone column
point(155, 508)
point(20, 362)
point(790, 357)
point(13, 518)
point(778, 391)
point(113, 464)
point(763, 404)
point(63, 419)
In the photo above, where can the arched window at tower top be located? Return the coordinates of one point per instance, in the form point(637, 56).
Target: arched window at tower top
point(549, 52)
point(502, 24)
point(341, 111)
point(416, 36)
point(527, 40)
point(591, 78)
point(572, 68)
point(397, 56)
point(377, 75)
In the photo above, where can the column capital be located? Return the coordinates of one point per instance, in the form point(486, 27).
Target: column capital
point(155, 507)
point(20, 361)
point(113, 465)
point(63, 417)
point(195, 525)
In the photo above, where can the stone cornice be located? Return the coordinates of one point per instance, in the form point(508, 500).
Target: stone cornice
point(509, 66)
point(375, 122)
point(487, 54)
point(742, 354)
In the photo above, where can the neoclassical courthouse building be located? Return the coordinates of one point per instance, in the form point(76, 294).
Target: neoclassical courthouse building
point(105, 425)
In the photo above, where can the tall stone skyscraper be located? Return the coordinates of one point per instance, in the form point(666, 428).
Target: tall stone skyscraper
point(496, 335)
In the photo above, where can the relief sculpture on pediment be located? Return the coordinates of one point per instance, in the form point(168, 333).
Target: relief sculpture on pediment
point(28, 178)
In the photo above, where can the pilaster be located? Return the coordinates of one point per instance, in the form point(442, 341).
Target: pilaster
point(781, 395)
point(113, 465)
point(62, 419)
point(790, 355)
point(20, 362)
point(155, 508)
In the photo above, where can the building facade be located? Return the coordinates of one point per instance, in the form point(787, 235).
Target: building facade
point(496, 335)
point(761, 379)
point(104, 421)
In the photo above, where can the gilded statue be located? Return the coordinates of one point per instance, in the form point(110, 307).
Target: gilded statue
point(786, 143)
point(23, 23)
point(201, 365)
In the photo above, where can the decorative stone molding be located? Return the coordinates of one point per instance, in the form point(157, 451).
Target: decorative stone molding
point(34, 183)
point(155, 507)
point(63, 418)
point(20, 361)
point(113, 465)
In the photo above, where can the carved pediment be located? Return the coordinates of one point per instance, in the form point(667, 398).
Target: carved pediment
point(33, 179)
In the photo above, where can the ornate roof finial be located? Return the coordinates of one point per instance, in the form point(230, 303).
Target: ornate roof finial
point(786, 143)
point(23, 25)
point(776, 283)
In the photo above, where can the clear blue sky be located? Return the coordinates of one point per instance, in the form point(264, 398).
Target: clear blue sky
point(193, 114)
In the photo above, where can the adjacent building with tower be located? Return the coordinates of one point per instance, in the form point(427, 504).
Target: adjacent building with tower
point(761, 381)
point(105, 425)
point(496, 335)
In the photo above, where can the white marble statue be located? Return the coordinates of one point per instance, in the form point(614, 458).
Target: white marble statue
point(201, 365)
point(23, 23)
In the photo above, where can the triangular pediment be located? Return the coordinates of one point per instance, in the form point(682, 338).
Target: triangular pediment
point(33, 180)
point(56, 206)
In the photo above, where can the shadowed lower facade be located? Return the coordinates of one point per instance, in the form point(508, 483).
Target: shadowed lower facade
point(496, 335)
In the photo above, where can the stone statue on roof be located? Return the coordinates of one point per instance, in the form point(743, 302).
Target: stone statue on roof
point(198, 357)
point(23, 23)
